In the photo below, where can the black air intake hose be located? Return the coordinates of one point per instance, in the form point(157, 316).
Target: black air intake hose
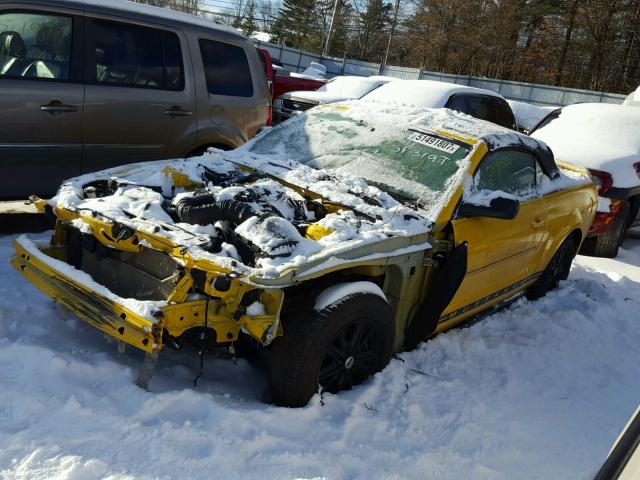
point(204, 210)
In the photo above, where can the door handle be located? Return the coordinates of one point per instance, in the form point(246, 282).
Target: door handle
point(56, 107)
point(536, 223)
point(176, 111)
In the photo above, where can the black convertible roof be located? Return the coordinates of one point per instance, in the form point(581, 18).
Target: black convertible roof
point(498, 141)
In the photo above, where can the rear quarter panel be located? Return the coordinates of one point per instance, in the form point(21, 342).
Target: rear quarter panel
point(567, 211)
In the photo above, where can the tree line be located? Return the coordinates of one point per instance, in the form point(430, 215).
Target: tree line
point(589, 44)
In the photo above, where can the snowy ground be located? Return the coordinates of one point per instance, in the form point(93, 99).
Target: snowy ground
point(540, 390)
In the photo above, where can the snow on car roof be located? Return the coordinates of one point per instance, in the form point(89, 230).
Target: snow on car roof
point(633, 99)
point(352, 86)
point(597, 135)
point(529, 115)
point(422, 93)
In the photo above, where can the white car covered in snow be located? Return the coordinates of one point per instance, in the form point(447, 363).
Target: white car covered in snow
point(348, 87)
point(633, 99)
point(477, 102)
point(604, 138)
point(528, 115)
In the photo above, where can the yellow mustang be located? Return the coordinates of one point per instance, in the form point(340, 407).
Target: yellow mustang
point(327, 243)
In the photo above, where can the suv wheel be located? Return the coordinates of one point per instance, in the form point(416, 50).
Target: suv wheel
point(332, 349)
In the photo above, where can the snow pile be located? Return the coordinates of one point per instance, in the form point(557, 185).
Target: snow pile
point(540, 390)
point(597, 135)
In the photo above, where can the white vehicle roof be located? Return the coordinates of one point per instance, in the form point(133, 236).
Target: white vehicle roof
point(597, 135)
point(422, 93)
point(338, 89)
point(633, 99)
point(529, 115)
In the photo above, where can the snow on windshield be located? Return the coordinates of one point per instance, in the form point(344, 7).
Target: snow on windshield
point(396, 152)
point(349, 87)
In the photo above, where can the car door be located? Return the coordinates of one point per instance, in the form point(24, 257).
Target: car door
point(501, 253)
point(139, 101)
point(41, 100)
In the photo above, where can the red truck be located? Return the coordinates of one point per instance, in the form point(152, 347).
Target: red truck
point(280, 83)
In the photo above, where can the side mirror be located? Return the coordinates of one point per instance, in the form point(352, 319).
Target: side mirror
point(502, 208)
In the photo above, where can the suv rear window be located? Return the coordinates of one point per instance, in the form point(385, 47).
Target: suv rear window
point(226, 69)
point(128, 55)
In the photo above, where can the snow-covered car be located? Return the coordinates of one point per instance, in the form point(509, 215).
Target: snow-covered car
point(604, 138)
point(338, 89)
point(329, 242)
point(528, 115)
point(633, 99)
point(477, 102)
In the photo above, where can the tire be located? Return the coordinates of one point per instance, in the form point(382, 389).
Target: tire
point(607, 244)
point(557, 270)
point(319, 350)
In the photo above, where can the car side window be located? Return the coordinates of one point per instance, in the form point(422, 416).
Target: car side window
point(458, 103)
point(35, 45)
point(500, 112)
point(226, 69)
point(478, 107)
point(511, 171)
point(131, 55)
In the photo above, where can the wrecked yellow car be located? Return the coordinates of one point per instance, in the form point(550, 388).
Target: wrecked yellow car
point(329, 242)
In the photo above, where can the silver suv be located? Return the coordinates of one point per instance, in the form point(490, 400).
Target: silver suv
point(85, 86)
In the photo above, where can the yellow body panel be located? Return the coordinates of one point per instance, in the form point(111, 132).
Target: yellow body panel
point(506, 256)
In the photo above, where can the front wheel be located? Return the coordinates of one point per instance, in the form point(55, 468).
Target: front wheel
point(557, 270)
point(332, 349)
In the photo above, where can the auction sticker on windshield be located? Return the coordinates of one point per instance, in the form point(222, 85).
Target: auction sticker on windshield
point(433, 142)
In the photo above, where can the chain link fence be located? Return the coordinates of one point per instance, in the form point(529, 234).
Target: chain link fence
point(545, 95)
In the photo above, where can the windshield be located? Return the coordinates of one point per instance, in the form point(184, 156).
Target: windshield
point(390, 151)
point(348, 87)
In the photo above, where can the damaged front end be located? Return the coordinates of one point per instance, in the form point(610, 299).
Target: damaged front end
point(172, 253)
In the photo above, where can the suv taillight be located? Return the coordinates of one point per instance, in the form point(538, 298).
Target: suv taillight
point(637, 167)
point(603, 180)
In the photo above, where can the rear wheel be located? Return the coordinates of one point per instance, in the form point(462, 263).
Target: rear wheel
point(332, 349)
point(607, 244)
point(557, 270)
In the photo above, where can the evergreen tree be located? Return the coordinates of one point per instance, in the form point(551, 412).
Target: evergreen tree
point(248, 24)
point(373, 23)
point(297, 24)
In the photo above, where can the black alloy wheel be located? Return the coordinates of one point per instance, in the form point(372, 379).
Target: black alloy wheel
point(332, 349)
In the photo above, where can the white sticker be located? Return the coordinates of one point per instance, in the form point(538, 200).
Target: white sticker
point(433, 142)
